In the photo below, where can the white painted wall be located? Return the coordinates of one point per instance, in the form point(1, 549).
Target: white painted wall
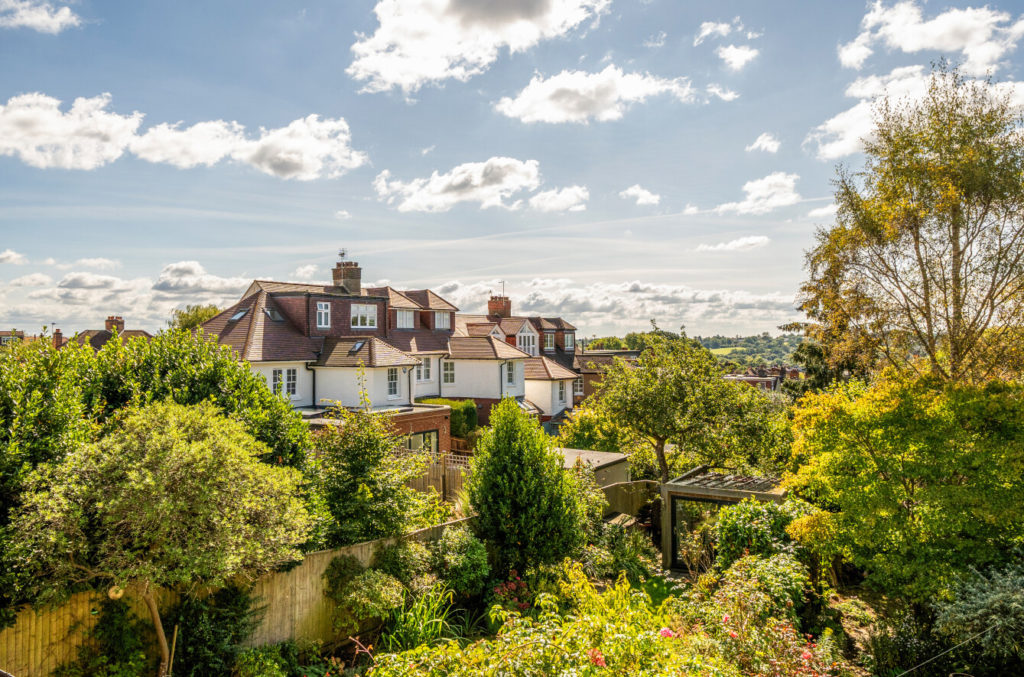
point(480, 378)
point(304, 379)
point(428, 387)
point(342, 384)
point(544, 394)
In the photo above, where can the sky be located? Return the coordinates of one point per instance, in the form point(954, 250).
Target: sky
point(612, 162)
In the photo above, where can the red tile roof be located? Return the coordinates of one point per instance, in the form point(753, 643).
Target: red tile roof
point(428, 300)
point(417, 341)
point(396, 299)
point(482, 348)
point(97, 338)
point(543, 369)
point(368, 351)
point(262, 333)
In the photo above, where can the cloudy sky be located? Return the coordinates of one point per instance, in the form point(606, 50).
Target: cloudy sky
point(610, 161)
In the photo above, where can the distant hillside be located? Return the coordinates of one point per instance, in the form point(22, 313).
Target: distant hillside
point(753, 351)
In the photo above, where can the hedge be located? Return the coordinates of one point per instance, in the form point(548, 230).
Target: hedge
point(463, 419)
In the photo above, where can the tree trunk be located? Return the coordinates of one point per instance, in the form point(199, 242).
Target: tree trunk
point(154, 613)
point(659, 451)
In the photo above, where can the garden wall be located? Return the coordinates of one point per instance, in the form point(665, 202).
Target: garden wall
point(294, 602)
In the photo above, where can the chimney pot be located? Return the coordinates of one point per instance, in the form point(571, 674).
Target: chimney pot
point(115, 323)
point(348, 275)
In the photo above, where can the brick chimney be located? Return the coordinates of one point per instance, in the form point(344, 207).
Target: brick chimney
point(115, 323)
point(58, 338)
point(349, 275)
point(500, 306)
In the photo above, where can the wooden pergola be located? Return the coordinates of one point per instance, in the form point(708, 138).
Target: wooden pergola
point(704, 485)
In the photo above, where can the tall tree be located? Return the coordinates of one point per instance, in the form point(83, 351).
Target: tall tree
point(192, 315)
point(176, 497)
point(926, 257)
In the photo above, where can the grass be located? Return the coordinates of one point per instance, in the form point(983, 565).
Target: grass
point(724, 351)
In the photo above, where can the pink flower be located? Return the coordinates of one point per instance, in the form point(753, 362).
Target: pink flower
point(725, 618)
point(807, 655)
point(732, 633)
point(597, 658)
point(665, 632)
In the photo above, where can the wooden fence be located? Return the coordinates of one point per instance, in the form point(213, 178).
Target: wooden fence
point(445, 473)
point(293, 601)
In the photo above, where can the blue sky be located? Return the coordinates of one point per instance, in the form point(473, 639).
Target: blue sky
point(612, 161)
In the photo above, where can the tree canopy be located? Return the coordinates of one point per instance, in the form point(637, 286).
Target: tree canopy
point(926, 257)
point(192, 315)
point(176, 496)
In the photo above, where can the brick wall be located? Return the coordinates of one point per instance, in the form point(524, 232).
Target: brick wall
point(420, 421)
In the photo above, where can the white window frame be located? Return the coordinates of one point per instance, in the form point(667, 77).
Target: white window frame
point(291, 382)
point(510, 373)
point(577, 386)
point(392, 382)
point(561, 391)
point(442, 320)
point(528, 344)
point(405, 319)
point(423, 369)
point(323, 315)
point(364, 315)
point(448, 373)
point(549, 340)
point(569, 340)
point(276, 379)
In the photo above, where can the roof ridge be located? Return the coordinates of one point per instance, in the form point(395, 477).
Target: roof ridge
point(261, 297)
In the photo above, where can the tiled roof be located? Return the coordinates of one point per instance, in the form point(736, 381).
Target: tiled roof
point(428, 300)
point(368, 351)
point(462, 323)
point(511, 325)
point(543, 369)
point(97, 338)
point(540, 324)
point(596, 362)
point(262, 333)
point(482, 348)
point(479, 329)
point(396, 299)
point(416, 341)
point(272, 287)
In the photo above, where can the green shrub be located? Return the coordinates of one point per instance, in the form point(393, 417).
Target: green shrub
point(211, 630)
point(460, 559)
point(116, 645)
point(632, 553)
point(404, 560)
point(775, 587)
point(286, 659)
point(463, 419)
point(990, 605)
point(526, 504)
point(591, 501)
point(423, 620)
point(263, 661)
point(359, 598)
point(755, 528)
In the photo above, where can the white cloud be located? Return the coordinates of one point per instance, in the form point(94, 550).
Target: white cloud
point(33, 127)
point(641, 195)
point(578, 96)
point(32, 280)
point(307, 272)
point(690, 210)
point(570, 198)
point(342, 215)
point(737, 56)
point(737, 245)
point(722, 93)
point(488, 183)
point(418, 42)
point(766, 142)
point(38, 15)
point(656, 41)
point(428, 149)
point(98, 263)
point(80, 280)
point(189, 277)
point(826, 212)
point(11, 256)
point(983, 36)
point(763, 195)
point(711, 28)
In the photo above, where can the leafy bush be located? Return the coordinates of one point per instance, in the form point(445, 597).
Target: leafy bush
point(115, 647)
point(460, 559)
point(361, 598)
point(404, 560)
point(211, 630)
point(286, 659)
point(989, 606)
point(756, 528)
point(591, 501)
point(526, 504)
point(463, 419)
point(778, 585)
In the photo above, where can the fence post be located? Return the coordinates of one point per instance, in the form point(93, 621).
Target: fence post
point(444, 476)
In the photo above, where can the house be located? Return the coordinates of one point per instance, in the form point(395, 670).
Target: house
point(97, 338)
point(10, 336)
point(609, 467)
point(319, 344)
point(549, 387)
point(590, 366)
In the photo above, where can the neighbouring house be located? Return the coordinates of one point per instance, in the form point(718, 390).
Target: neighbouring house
point(549, 387)
point(97, 338)
point(609, 467)
point(9, 336)
point(590, 366)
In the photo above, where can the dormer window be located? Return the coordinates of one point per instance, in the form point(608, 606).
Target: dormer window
point(528, 343)
point(442, 320)
point(549, 340)
point(405, 319)
point(323, 315)
point(570, 341)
